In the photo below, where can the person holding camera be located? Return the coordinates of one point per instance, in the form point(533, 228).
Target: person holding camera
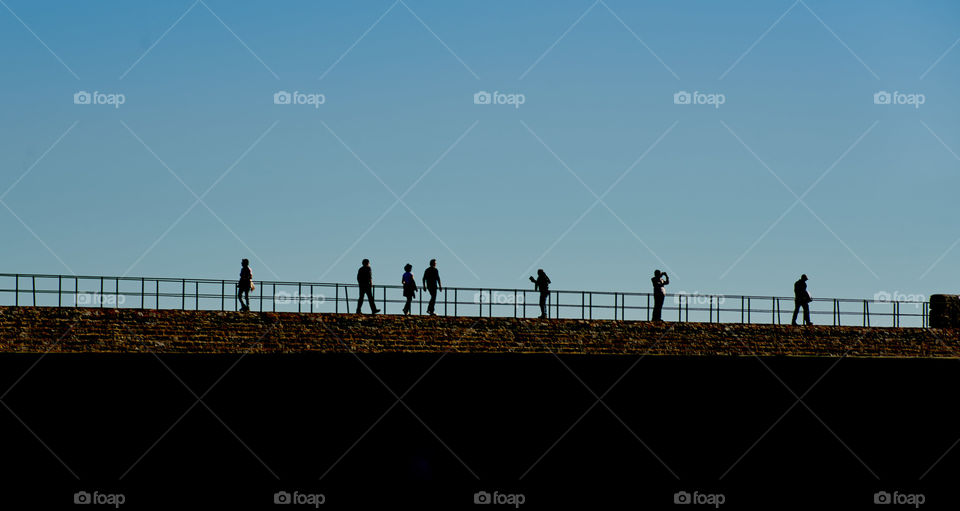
point(658, 294)
point(801, 298)
point(542, 284)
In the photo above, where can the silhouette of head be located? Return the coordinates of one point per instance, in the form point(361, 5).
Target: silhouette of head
point(656, 273)
point(804, 277)
point(366, 262)
point(433, 262)
point(408, 267)
point(245, 263)
point(540, 273)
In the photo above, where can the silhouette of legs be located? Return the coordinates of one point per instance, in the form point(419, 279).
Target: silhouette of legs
point(433, 301)
point(543, 305)
point(806, 313)
point(657, 307)
point(368, 292)
point(406, 306)
point(241, 293)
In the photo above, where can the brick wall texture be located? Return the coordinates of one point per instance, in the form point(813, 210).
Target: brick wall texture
point(73, 330)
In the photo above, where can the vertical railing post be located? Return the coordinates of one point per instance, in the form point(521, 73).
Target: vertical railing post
point(223, 295)
point(196, 295)
point(514, 303)
point(33, 288)
point(59, 290)
point(384, 299)
point(591, 305)
point(455, 302)
point(583, 305)
point(143, 292)
point(16, 290)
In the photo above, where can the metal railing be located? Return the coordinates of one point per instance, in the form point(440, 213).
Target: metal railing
point(314, 297)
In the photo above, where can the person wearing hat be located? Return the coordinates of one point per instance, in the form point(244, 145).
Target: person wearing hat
point(801, 299)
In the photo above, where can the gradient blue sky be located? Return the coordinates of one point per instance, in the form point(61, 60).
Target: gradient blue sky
point(86, 188)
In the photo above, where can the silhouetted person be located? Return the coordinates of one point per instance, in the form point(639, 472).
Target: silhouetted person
point(243, 287)
point(658, 294)
point(801, 298)
point(542, 284)
point(365, 283)
point(431, 281)
point(409, 287)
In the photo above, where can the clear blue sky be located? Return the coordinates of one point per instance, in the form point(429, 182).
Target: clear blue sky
point(303, 191)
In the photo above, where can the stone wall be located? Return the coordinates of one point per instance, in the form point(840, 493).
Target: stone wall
point(71, 330)
point(945, 311)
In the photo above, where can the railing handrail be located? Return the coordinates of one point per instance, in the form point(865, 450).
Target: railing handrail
point(109, 278)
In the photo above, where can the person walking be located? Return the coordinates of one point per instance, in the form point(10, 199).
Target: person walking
point(244, 285)
point(542, 284)
point(365, 283)
point(658, 294)
point(409, 287)
point(431, 281)
point(801, 298)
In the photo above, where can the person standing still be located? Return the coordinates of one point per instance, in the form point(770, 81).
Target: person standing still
point(658, 294)
point(409, 287)
point(542, 284)
point(365, 283)
point(431, 281)
point(801, 298)
point(243, 286)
